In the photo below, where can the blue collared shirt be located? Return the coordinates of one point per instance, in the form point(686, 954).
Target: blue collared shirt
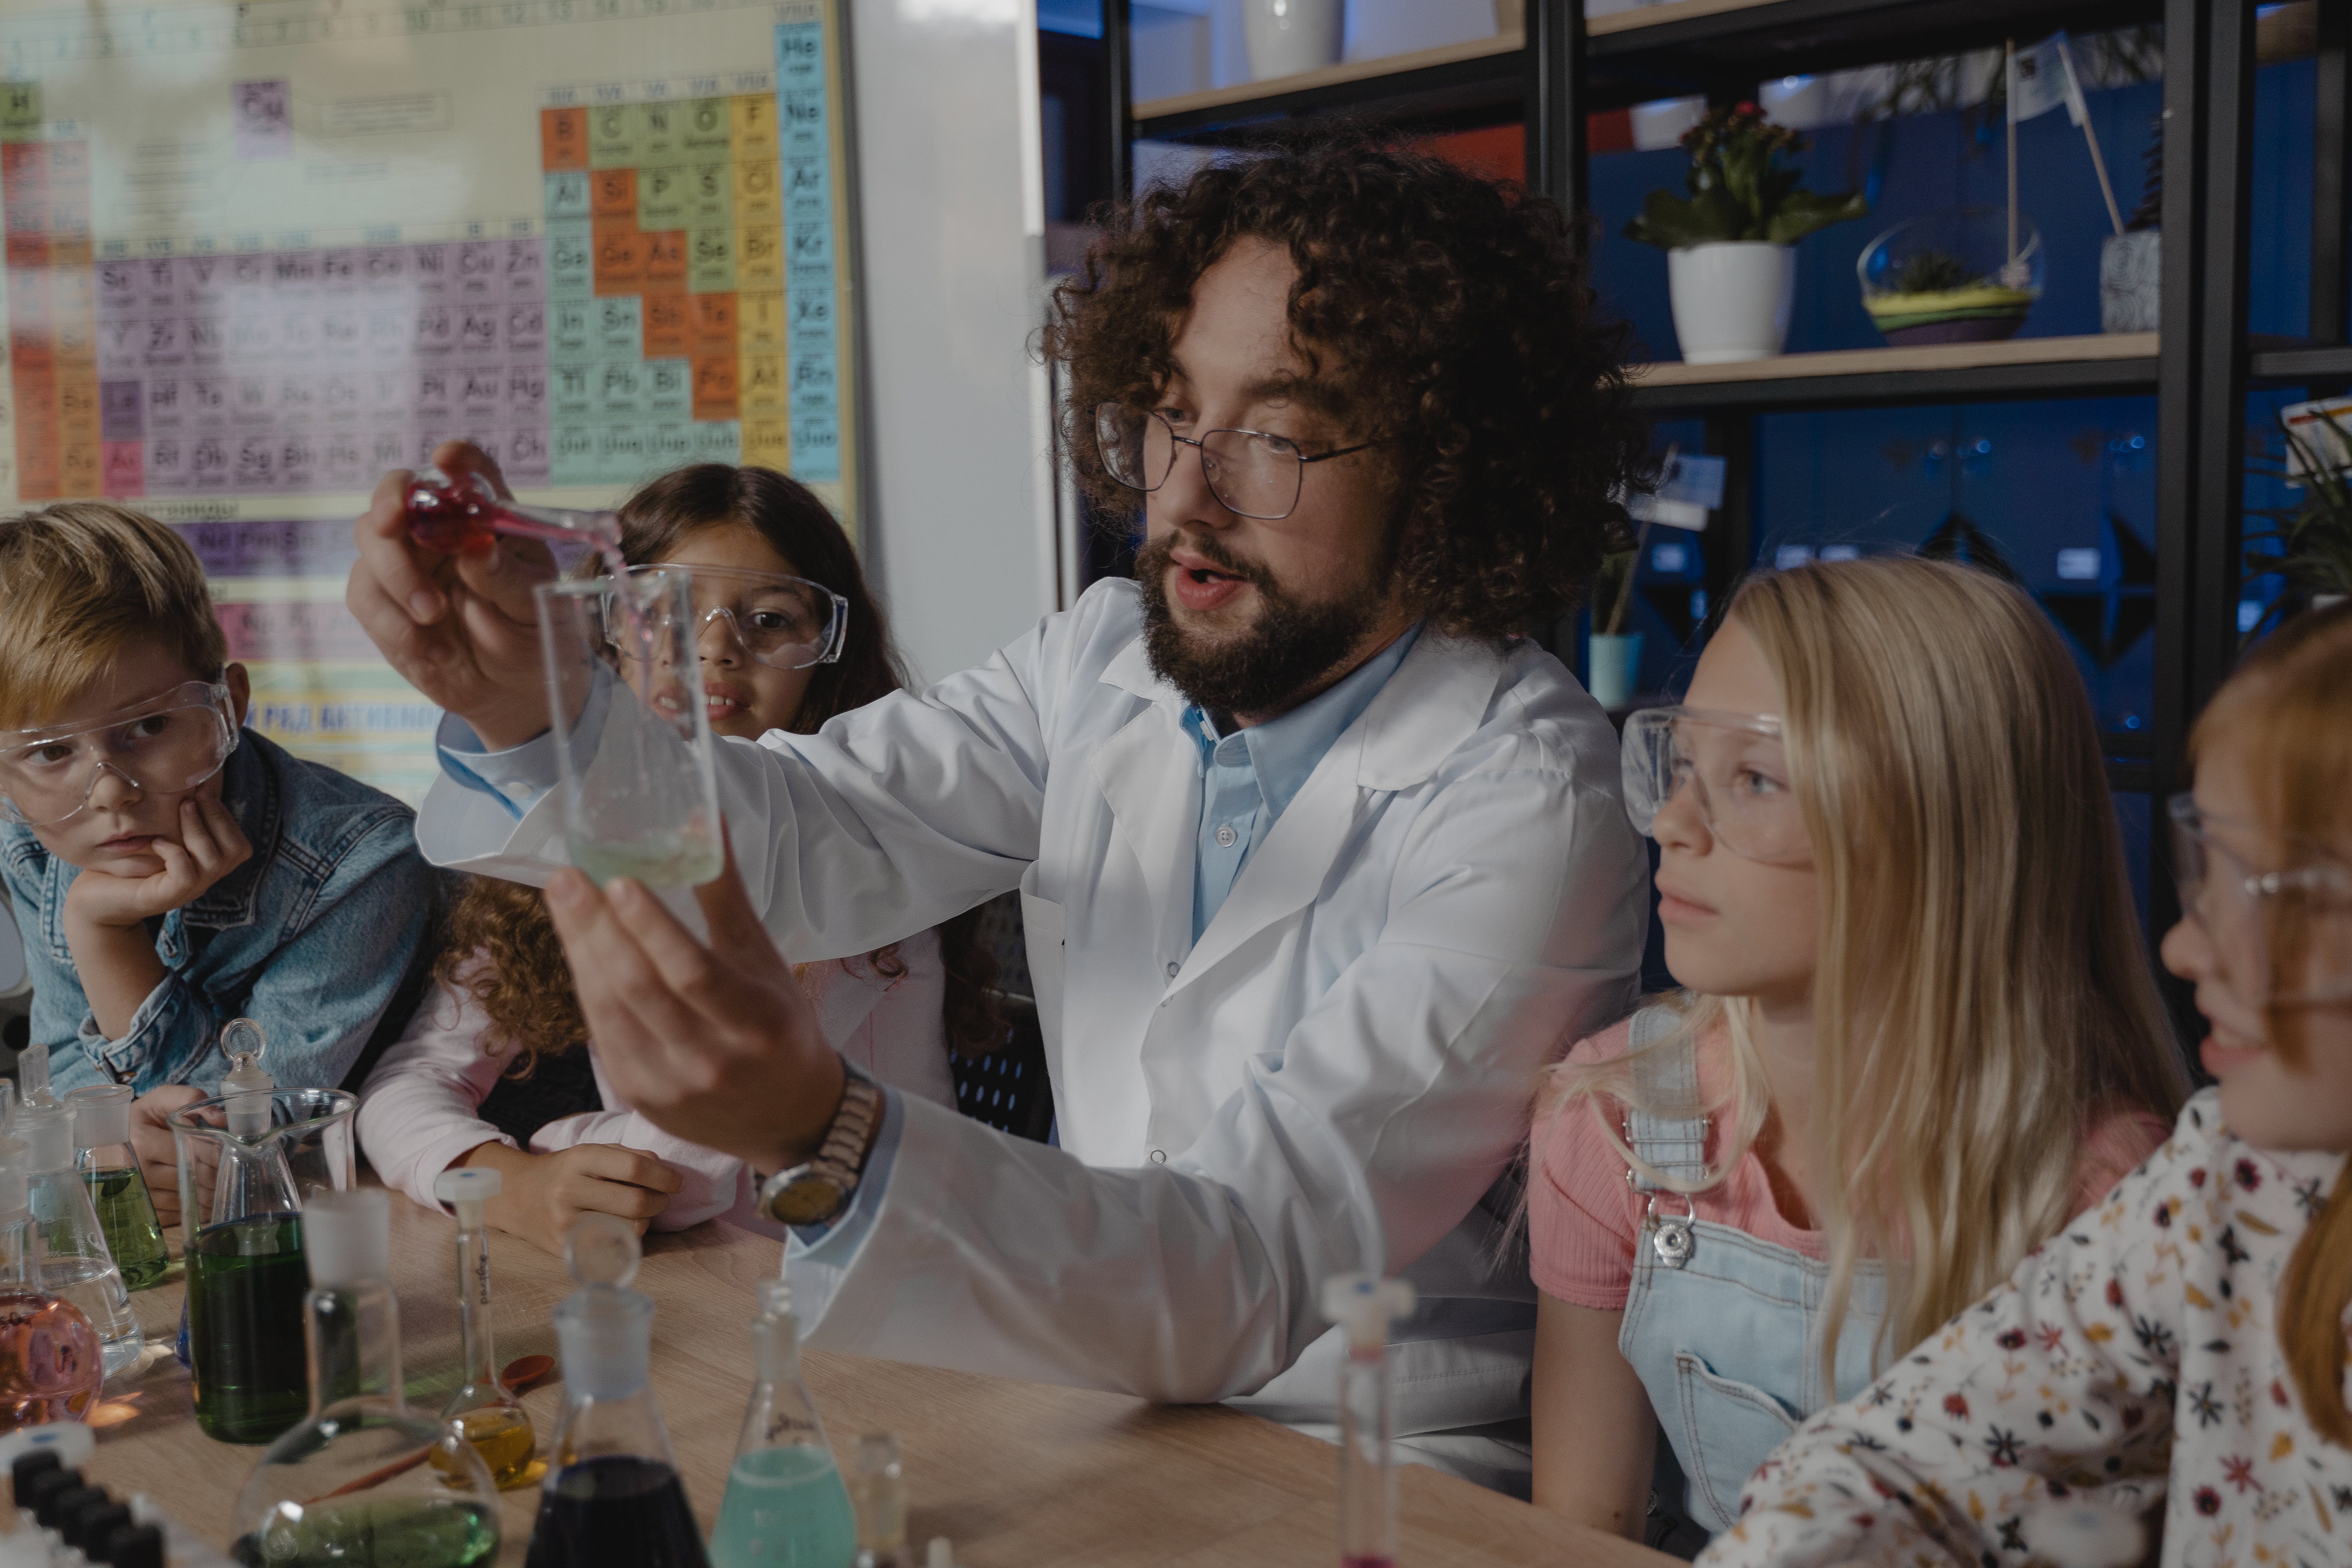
point(1249, 777)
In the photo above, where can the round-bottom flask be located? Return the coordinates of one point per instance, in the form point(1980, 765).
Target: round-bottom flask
point(362, 1483)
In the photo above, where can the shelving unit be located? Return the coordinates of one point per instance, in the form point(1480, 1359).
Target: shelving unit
point(2198, 366)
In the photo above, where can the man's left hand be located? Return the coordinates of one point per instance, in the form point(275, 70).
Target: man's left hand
point(716, 1045)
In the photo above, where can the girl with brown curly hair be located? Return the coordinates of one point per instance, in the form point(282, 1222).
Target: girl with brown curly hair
point(487, 1075)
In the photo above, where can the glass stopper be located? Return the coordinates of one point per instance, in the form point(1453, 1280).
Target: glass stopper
point(603, 1250)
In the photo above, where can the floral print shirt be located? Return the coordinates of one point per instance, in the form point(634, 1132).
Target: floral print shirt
point(2133, 1360)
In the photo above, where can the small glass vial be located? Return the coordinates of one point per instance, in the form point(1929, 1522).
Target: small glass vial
point(69, 1244)
point(485, 1410)
point(117, 1189)
point(877, 1490)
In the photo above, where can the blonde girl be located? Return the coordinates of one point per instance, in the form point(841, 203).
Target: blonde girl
point(1916, 1032)
point(2184, 1343)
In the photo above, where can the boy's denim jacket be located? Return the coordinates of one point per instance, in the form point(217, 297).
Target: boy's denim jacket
point(312, 937)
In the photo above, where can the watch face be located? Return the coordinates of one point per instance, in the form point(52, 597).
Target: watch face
point(807, 1201)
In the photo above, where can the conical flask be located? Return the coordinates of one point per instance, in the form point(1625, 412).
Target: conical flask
point(70, 1256)
point(490, 1416)
point(612, 1498)
point(118, 1190)
point(51, 1366)
point(785, 1504)
point(249, 1160)
point(359, 1482)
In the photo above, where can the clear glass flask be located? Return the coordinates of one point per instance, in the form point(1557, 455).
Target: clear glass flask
point(612, 1498)
point(359, 1482)
point(50, 1363)
point(785, 1504)
point(118, 1190)
point(491, 1417)
point(70, 1248)
point(1364, 1305)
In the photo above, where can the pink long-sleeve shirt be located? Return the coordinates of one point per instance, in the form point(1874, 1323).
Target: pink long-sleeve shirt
point(418, 1108)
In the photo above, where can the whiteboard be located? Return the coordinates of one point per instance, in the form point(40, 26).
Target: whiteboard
point(259, 253)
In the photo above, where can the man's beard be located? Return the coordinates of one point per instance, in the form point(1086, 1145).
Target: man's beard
point(1267, 666)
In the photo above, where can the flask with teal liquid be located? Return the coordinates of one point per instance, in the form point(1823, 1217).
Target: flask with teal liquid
point(785, 1504)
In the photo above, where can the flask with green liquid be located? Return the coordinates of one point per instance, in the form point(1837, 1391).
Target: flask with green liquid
point(110, 1169)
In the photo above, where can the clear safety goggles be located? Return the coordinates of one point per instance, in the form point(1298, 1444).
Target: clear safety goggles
point(167, 744)
point(786, 623)
point(1737, 767)
point(2282, 938)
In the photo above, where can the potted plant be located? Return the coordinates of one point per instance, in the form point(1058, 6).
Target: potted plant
point(1729, 266)
point(2310, 543)
point(1957, 277)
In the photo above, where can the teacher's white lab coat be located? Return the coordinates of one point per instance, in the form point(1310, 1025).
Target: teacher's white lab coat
point(1333, 1079)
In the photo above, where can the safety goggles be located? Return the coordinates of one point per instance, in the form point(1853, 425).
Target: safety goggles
point(785, 623)
point(167, 744)
point(2282, 938)
point(1737, 766)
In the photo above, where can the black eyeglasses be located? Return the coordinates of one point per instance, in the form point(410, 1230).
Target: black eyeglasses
point(1251, 473)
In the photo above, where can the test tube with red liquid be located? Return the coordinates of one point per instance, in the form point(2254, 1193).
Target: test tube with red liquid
point(461, 515)
point(1365, 1306)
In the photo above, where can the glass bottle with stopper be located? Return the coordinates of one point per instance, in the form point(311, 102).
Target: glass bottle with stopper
point(491, 1417)
point(70, 1254)
point(251, 1160)
point(1364, 1306)
point(785, 1504)
point(50, 1363)
point(612, 1498)
point(463, 514)
point(118, 1190)
point(360, 1482)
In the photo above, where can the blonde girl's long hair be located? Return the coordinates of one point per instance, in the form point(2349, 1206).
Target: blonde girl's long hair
point(2290, 706)
point(1981, 992)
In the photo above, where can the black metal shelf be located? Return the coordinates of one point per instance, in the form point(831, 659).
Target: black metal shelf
point(1880, 388)
point(1491, 87)
point(1733, 49)
point(2288, 367)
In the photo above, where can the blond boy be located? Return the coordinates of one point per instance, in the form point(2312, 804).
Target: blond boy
point(169, 868)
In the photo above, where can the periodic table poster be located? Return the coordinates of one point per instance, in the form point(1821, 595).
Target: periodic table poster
point(259, 253)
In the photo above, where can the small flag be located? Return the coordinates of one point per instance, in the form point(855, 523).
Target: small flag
point(2045, 79)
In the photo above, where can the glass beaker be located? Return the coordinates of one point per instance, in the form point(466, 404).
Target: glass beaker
point(638, 793)
point(248, 1162)
point(117, 1189)
point(361, 1482)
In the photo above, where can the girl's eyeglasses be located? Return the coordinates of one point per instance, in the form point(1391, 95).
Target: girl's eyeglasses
point(785, 623)
point(2282, 938)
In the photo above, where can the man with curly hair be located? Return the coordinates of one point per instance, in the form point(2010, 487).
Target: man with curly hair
point(1319, 859)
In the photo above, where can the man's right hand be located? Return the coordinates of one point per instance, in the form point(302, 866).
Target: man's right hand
point(460, 629)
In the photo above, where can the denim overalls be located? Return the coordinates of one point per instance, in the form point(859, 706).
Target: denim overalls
point(1724, 1330)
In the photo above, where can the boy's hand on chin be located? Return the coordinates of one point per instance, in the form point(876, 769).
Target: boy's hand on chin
point(211, 845)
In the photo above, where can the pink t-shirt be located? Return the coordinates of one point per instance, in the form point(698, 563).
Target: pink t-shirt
point(1584, 1219)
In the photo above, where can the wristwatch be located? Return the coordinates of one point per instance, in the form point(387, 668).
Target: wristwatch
point(817, 1191)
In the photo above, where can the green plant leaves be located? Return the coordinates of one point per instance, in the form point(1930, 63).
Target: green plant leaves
point(1802, 212)
point(1671, 223)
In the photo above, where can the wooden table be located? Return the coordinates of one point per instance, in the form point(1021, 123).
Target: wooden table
point(1020, 1474)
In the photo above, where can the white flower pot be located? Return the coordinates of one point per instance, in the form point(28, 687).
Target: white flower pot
point(1731, 300)
point(1613, 666)
point(1288, 37)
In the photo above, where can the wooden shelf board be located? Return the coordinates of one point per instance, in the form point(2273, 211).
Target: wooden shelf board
point(1661, 15)
point(1883, 360)
point(1335, 75)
